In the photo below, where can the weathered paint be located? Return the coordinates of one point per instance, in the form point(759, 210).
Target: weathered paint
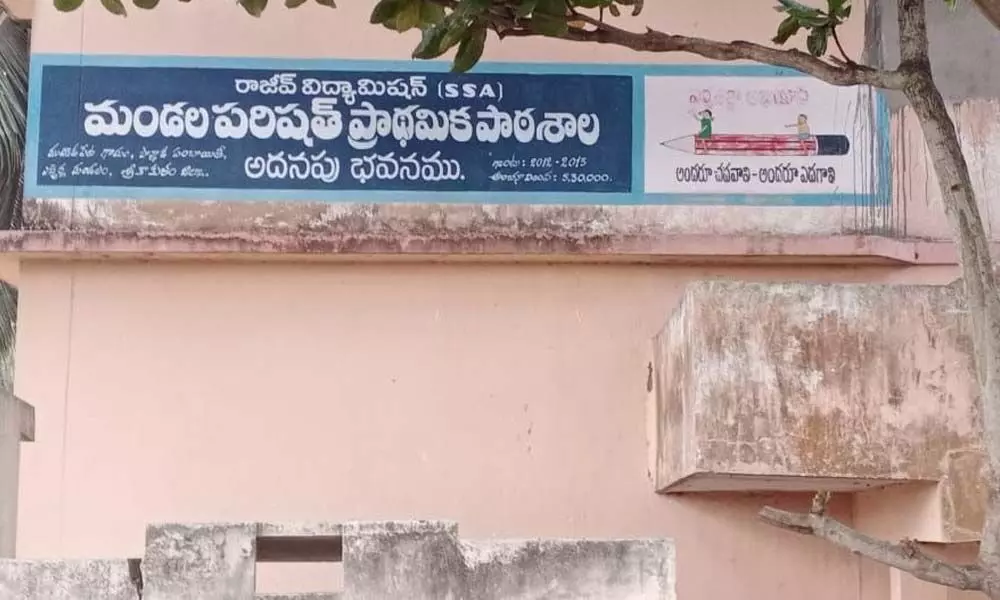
point(842, 386)
point(510, 397)
point(417, 560)
point(914, 181)
point(303, 231)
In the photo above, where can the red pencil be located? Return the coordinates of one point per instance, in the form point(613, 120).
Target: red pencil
point(727, 144)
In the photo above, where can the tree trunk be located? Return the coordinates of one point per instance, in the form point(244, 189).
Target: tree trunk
point(962, 211)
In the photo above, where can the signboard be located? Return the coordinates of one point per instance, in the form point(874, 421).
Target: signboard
point(167, 127)
point(777, 135)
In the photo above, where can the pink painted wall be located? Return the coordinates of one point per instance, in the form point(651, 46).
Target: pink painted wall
point(914, 181)
point(223, 29)
point(510, 398)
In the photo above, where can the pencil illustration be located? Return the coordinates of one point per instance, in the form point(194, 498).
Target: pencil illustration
point(726, 144)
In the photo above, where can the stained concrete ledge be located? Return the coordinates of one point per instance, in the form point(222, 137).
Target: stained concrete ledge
point(797, 387)
point(67, 580)
point(276, 230)
point(415, 560)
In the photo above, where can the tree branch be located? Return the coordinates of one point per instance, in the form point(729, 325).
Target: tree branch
point(657, 41)
point(990, 10)
point(905, 556)
point(836, 40)
point(913, 41)
point(978, 275)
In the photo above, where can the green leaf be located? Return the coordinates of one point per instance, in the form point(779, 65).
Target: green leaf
point(431, 13)
point(470, 50)
point(591, 3)
point(845, 13)
point(475, 7)
point(408, 17)
point(146, 4)
point(546, 24)
point(431, 42)
point(551, 7)
point(115, 7)
point(68, 5)
point(294, 3)
point(386, 10)
point(438, 39)
point(327, 3)
point(457, 30)
point(525, 8)
point(254, 8)
point(816, 42)
point(788, 28)
point(833, 7)
point(793, 6)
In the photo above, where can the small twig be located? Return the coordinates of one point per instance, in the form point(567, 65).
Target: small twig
point(836, 40)
point(905, 556)
point(820, 500)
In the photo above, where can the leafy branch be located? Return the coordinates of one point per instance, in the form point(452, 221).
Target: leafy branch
point(464, 26)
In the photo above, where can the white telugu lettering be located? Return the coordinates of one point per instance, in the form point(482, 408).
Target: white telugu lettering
point(322, 120)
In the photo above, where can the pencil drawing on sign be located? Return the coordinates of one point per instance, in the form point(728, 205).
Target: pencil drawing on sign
point(758, 135)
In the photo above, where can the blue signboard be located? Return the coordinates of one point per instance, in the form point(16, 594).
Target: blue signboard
point(409, 131)
point(257, 129)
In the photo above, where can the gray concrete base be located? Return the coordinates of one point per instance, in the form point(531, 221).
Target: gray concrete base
point(408, 560)
point(17, 424)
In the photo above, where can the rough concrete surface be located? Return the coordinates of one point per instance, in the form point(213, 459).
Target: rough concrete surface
point(17, 424)
point(185, 227)
point(777, 386)
point(412, 560)
point(67, 580)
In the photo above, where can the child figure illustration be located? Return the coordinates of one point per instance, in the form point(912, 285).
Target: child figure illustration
point(705, 120)
point(802, 127)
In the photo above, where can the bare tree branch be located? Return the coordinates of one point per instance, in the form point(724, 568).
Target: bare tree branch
point(836, 40)
point(819, 503)
point(978, 274)
point(652, 40)
point(905, 556)
point(990, 10)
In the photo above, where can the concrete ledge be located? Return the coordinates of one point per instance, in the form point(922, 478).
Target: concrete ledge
point(384, 560)
point(26, 419)
point(708, 481)
point(408, 246)
point(281, 228)
point(797, 386)
point(308, 596)
point(67, 580)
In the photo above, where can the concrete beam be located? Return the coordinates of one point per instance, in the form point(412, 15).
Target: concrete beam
point(798, 387)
